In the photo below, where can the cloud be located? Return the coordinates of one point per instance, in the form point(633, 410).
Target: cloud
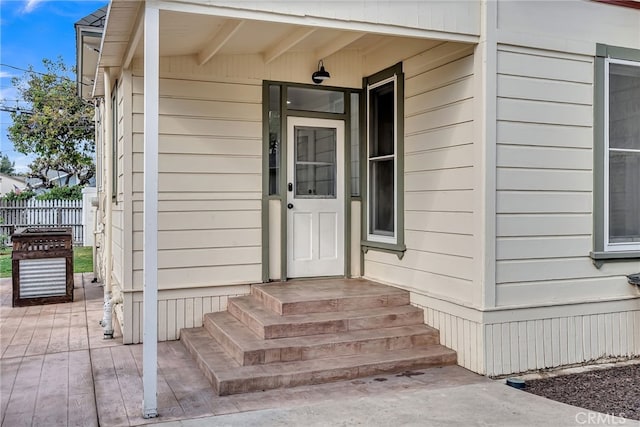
point(9, 93)
point(31, 5)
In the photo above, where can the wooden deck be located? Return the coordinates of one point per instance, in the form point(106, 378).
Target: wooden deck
point(57, 370)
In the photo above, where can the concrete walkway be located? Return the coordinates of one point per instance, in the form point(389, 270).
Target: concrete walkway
point(56, 370)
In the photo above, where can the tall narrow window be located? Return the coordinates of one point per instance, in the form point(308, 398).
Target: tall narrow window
point(355, 144)
point(275, 136)
point(616, 153)
point(622, 154)
point(114, 143)
point(384, 148)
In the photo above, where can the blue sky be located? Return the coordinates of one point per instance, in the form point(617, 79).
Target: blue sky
point(29, 31)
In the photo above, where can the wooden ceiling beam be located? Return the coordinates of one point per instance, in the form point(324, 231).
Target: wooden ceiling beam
point(338, 43)
point(286, 43)
point(219, 39)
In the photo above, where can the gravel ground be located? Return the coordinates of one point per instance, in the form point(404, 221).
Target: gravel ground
point(614, 391)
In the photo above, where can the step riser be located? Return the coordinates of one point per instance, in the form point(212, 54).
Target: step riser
point(330, 305)
point(320, 351)
point(246, 318)
point(335, 326)
point(228, 387)
point(225, 341)
point(202, 365)
point(288, 330)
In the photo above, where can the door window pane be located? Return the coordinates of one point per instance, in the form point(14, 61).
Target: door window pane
point(355, 144)
point(315, 155)
point(309, 99)
point(275, 136)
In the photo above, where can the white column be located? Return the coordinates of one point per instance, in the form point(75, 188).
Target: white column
point(150, 205)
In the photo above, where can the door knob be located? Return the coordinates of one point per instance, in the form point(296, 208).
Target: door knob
point(290, 206)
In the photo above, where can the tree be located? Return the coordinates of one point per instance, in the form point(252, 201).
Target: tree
point(57, 126)
point(7, 167)
point(73, 192)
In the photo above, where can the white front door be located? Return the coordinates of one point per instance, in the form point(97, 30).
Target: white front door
point(315, 197)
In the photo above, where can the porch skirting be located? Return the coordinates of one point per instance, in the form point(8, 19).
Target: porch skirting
point(177, 309)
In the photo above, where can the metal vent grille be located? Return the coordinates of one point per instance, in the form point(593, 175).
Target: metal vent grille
point(43, 277)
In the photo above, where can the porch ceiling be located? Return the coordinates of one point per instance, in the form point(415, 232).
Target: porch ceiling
point(207, 35)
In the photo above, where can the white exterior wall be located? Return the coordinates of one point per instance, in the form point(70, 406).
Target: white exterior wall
point(438, 264)
point(551, 338)
point(210, 183)
point(554, 307)
point(456, 17)
point(545, 183)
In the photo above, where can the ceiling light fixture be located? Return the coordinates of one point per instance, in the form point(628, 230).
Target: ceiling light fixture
point(321, 75)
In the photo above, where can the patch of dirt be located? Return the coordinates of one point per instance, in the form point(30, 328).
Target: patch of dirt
point(614, 391)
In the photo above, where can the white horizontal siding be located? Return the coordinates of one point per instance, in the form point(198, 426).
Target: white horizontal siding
point(438, 178)
point(453, 17)
point(459, 334)
point(177, 310)
point(209, 212)
point(544, 181)
point(566, 26)
point(522, 346)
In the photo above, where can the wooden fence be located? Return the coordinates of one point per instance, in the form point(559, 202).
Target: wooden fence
point(40, 213)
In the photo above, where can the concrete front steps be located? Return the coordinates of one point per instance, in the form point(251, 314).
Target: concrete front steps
point(311, 332)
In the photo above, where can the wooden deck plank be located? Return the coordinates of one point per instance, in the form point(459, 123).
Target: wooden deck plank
point(22, 402)
point(111, 410)
point(41, 336)
point(129, 380)
point(190, 388)
point(53, 391)
point(8, 372)
point(59, 340)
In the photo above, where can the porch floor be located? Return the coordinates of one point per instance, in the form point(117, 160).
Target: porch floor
point(57, 370)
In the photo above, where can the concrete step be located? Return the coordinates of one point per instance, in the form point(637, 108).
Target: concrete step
point(247, 348)
point(228, 377)
point(268, 325)
point(327, 295)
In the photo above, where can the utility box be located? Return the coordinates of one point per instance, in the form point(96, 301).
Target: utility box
point(42, 264)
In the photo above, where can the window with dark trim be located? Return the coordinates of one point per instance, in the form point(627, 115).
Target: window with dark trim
point(617, 153)
point(114, 143)
point(384, 93)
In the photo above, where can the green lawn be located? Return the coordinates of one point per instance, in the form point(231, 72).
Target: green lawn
point(82, 260)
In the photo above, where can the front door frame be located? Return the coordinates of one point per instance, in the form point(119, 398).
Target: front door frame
point(337, 202)
point(285, 113)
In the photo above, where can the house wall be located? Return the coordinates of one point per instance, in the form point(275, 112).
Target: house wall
point(553, 305)
point(8, 184)
point(117, 203)
point(459, 17)
point(439, 161)
point(210, 182)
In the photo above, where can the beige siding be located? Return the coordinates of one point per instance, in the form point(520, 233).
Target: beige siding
point(548, 342)
point(209, 183)
point(566, 26)
point(438, 180)
point(544, 178)
point(459, 17)
point(117, 207)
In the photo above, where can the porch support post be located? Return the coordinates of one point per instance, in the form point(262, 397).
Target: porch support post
point(150, 206)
